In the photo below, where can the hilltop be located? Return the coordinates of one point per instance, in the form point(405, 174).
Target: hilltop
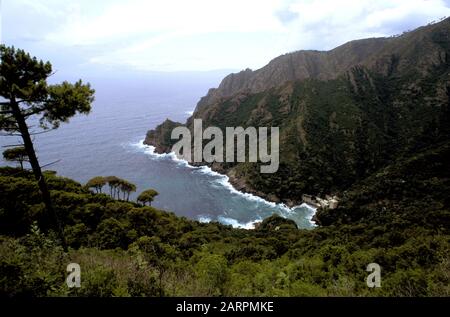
point(343, 114)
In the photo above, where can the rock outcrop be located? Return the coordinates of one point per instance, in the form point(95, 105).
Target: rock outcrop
point(160, 138)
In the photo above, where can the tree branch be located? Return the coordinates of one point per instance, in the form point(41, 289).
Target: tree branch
point(9, 128)
point(51, 163)
point(10, 134)
point(42, 132)
point(12, 145)
point(29, 101)
point(52, 73)
point(26, 113)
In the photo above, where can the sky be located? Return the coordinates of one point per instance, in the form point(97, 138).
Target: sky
point(198, 35)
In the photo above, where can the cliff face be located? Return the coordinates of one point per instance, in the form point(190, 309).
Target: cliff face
point(378, 54)
point(301, 65)
point(342, 114)
point(160, 137)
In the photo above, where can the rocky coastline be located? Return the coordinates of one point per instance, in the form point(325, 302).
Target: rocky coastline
point(237, 182)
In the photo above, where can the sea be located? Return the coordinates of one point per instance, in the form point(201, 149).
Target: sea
point(109, 141)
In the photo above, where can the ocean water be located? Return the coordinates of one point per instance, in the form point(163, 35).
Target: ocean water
point(109, 142)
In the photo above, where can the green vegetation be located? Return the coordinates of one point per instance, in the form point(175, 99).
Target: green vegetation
point(379, 137)
point(339, 131)
point(117, 186)
point(399, 218)
point(147, 196)
point(17, 154)
point(96, 183)
point(24, 87)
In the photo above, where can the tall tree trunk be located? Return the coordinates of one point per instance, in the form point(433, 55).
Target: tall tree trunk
point(28, 144)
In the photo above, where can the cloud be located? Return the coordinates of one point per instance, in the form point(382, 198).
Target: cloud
point(201, 34)
point(137, 17)
point(326, 24)
point(29, 20)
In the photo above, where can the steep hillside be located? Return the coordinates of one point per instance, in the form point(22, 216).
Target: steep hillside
point(411, 192)
point(398, 218)
point(343, 114)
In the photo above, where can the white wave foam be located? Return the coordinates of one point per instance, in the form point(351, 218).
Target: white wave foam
point(150, 150)
point(236, 224)
point(312, 212)
point(224, 180)
point(229, 221)
point(204, 219)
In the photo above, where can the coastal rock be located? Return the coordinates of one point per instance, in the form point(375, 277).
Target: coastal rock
point(343, 114)
point(160, 137)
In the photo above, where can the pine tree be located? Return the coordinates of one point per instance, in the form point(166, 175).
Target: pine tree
point(16, 154)
point(25, 93)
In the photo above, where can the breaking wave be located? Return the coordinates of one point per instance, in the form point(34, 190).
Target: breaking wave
point(223, 180)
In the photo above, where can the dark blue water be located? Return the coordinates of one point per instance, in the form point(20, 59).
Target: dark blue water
point(109, 142)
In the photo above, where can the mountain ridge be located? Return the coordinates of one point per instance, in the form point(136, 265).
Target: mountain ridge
point(343, 114)
point(304, 64)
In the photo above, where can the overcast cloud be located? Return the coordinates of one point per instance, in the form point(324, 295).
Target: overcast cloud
point(180, 35)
